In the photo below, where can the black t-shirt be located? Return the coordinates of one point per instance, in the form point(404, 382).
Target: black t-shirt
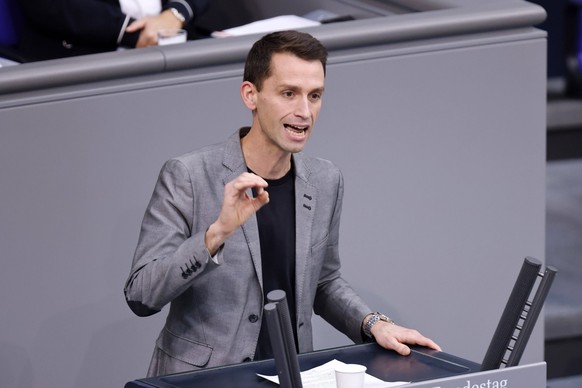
point(276, 221)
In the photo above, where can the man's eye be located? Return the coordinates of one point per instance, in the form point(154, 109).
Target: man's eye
point(315, 96)
point(288, 94)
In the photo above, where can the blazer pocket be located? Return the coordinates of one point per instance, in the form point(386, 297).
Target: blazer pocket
point(320, 245)
point(189, 351)
point(318, 252)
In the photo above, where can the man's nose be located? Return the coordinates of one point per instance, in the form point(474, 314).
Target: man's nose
point(302, 107)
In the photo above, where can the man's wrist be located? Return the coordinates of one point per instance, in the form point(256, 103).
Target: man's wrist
point(181, 18)
point(215, 236)
point(371, 320)
point(213, 239)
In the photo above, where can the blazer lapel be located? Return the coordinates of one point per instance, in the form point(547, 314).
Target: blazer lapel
point(251, 232)
point(305, 202)
point(233, 161)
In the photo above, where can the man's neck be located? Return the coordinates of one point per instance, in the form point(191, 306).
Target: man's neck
point(262, 160)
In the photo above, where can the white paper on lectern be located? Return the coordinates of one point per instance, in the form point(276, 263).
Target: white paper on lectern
point(277, 23)
point(323, 376)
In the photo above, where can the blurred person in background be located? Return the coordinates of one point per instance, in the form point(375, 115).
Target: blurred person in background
point(66, 28)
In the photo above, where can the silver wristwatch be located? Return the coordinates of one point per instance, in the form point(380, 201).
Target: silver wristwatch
point(375, 318)
point(178, 15)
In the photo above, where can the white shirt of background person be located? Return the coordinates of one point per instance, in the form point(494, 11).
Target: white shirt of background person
point(137, 9)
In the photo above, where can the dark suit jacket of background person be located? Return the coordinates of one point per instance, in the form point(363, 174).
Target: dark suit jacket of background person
point(66, 28)
point(215, 312)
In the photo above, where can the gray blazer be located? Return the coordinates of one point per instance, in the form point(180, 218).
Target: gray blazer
point(216, 308)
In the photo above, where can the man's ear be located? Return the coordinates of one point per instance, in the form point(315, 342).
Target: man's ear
point(248, 93)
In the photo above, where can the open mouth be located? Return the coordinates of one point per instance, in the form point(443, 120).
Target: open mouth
point(298, 129)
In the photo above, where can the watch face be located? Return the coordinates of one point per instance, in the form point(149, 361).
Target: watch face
point(386, 319)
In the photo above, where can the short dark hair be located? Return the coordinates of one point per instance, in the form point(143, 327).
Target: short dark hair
point(300, 44)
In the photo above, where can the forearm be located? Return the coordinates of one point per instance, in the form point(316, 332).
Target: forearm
point(338, 304)
point(157, 277)
point(171, 252)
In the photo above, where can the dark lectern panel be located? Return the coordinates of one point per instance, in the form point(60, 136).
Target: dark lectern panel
point(422, 364)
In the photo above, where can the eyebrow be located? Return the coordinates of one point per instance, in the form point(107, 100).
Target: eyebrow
point(295, 87)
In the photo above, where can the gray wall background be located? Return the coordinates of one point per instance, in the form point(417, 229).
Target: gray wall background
point(441, 141)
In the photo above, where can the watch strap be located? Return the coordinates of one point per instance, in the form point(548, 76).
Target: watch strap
point(375, 318)
point(178, 15)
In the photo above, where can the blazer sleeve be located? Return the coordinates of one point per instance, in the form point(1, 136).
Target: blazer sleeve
point(168, 257)
point(189, 8)
point(335, 300)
